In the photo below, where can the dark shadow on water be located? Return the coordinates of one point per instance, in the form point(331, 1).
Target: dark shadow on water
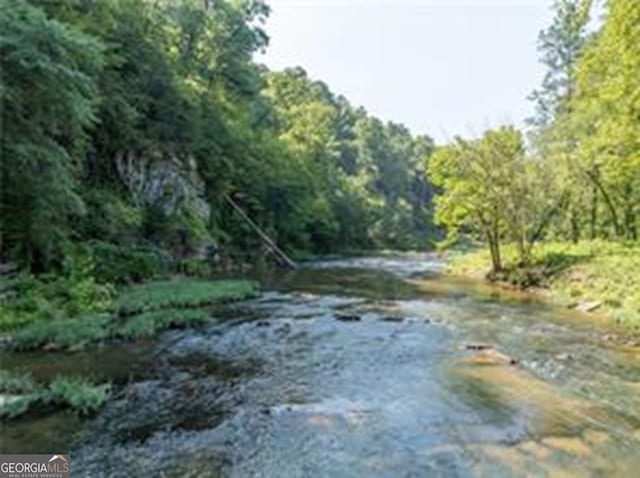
point(363, 283)
point(199, 364)
point(40, 434)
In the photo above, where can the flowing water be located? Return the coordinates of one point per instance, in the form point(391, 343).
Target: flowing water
point(375, 367)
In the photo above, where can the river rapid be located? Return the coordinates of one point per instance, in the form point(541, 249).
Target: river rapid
point(369, 367)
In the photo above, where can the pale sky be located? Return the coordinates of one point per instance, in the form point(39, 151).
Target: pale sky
point(441, 67)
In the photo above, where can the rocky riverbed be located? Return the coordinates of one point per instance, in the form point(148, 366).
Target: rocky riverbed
point(367, 367)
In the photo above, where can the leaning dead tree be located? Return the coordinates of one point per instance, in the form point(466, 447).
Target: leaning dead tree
point(271, 245)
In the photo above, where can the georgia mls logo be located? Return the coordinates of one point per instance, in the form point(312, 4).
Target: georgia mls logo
point(35, 466)
point(59, 457)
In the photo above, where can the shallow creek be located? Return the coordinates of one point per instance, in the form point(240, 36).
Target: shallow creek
point(353, 368)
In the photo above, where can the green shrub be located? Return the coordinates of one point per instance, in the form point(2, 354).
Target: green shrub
point(182, 230)
point(518, 276)
point(78, 286)
point(125, 265)
point(110, 215)
point(16, 383)
point(86, 295)
point(18, 405)
point(195, 268)
point(27, 299)
point(11, 318)
point(19, 392)
point(77, 393)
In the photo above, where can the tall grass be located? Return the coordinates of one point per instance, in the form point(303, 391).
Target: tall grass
point(181, 293)
point(139, 311)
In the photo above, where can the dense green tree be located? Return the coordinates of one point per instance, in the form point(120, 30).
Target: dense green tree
point(492, 189)
point(606, 115)
point(465, 203)
point(560, 45)
point(589, 139)
point(367, 180)
point(48, 104)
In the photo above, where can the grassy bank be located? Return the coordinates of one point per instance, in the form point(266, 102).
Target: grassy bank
point(135, 312)
point(20, 393)
point(68, 315)
point(602, 275)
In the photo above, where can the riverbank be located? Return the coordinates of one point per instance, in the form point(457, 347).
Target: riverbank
point(133, 313)
point(589, 276)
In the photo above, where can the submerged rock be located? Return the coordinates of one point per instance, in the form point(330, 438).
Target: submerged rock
point(569, 445)
point(392, 318)
point(564, 356)
point(326, 412)
point(477, 346)
point(348, 317)
point(490, 357)
point(588, 306)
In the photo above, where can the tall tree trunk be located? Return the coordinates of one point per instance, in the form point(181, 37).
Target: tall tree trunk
point(575, 227)
point(523, 249)
point(629, 214)
point(630, 223)
point(607, 199)
point(546, 219)
point(494, 248)
point(492, 251)
point(594, 213)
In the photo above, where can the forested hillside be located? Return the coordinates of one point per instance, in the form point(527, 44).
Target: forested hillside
point(575, 178)
point(127, 124)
